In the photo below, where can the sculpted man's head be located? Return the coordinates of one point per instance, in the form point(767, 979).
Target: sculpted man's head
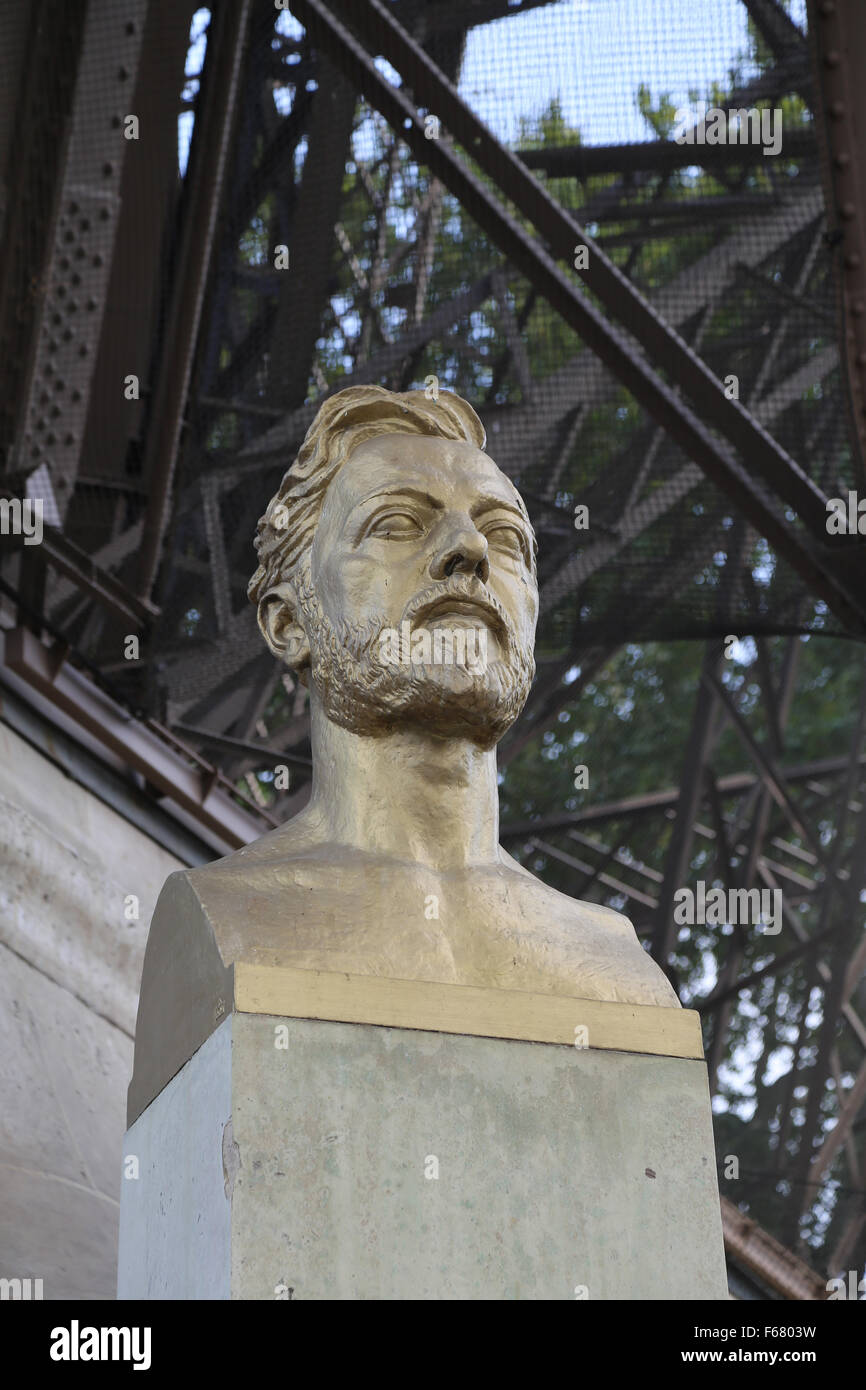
point(392, 514)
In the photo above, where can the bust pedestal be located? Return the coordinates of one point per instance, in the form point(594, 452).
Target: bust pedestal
point(352, 1137)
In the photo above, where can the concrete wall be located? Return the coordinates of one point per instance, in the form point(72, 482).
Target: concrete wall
point(70, 964)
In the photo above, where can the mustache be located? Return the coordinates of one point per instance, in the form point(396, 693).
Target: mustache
point(466, 589)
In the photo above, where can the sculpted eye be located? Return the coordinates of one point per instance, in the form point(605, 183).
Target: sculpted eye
point(393, 524)
point(508, 538)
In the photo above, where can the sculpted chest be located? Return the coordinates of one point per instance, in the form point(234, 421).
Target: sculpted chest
point(498, 929)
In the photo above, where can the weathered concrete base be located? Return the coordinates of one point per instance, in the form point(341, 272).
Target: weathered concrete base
point(70, 963)
point(309, 1159)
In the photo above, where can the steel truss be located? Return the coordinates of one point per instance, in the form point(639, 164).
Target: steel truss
point(156, 496)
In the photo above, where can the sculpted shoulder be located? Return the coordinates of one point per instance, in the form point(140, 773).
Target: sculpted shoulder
point(324, 907)
point(592, 951)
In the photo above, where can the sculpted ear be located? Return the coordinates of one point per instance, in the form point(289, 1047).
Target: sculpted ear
point(279, 625)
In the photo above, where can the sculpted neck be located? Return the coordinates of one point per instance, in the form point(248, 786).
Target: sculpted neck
point(408, 795)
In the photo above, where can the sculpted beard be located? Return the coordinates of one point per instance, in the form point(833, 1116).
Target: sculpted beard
point(364, 695)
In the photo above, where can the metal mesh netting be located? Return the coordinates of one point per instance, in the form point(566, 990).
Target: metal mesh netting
point(734, 256)
point(175, 308)
point(390, 279)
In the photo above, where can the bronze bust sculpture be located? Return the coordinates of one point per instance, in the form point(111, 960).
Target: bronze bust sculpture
point(393, 520)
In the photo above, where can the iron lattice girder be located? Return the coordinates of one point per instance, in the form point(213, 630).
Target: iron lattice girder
point(83, 214)
point(836, 931)
point(658, 156)
point(649, 803)
point(837, 33)
point(54, 34)
point(86, 575)
point(763, 455)
point(701, 285)
point(205, 183)
point(196, 786)
point(694, 290)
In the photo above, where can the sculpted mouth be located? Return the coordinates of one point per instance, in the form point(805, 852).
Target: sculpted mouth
point(458, 610)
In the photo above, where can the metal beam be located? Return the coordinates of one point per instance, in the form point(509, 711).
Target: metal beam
point(88, 577)
point(661, 156)
point(732, 784)
point(201, 790)
point(769, 773)
point(761, 453)
point(700, 742)
point(837, 40)
point(240, 745)
point(203, 189)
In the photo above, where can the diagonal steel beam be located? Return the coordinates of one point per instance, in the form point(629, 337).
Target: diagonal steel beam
point(694, 432)
point(381, 33)
point(766, 766)
point(204, 182)
point(571, 862)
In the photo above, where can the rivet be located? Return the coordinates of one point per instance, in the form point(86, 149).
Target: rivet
point(852, 260)
point(837, 110)
point(832, 59)
point(847, 211)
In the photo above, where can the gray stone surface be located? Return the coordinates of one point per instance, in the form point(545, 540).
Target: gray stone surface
point(559, 1170)
point(70, 965)
point(68, 863)
point(175, 1216)
point(61, 1125)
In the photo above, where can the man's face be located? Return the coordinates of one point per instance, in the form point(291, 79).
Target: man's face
point(424, 531)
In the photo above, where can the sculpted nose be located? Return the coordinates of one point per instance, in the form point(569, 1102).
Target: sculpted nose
point(463, 552)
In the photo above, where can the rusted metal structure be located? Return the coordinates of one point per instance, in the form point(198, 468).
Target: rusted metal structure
point(162, 363)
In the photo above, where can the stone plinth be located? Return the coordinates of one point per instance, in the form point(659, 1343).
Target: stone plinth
point(316, 1147)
